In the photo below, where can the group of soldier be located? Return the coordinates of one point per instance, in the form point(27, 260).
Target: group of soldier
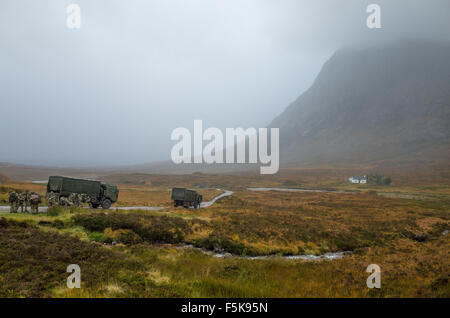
point(33, 199)
point(23, 200)
point(74, 199)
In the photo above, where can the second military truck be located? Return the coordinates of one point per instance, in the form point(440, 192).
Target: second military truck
point(101, 194)
point(186, 198)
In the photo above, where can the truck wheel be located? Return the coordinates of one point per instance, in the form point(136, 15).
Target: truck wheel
point(106, 204)
point(94, 205)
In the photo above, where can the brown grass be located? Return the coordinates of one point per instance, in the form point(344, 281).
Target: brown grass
point(403, 236)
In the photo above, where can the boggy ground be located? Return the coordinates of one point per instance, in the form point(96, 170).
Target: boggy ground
point(144, 253)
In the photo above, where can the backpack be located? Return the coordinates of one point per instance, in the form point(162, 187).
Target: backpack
point(13, 197)
point(35, 199)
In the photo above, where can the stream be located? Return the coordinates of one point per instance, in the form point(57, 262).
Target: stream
point(311, 258)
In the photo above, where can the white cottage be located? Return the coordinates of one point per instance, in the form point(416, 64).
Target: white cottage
point(362, 179)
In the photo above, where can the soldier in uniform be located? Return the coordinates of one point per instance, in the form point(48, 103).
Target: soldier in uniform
point(86, 198)
point(80, 199)
point(27, 200)
point(22, 199)
point(14, 201)
point(63, 201)
point(73, 198)
point(35, 199)
point(52, 199)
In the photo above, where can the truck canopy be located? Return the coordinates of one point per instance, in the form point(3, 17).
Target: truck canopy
point(182, 194)
point(65, 186)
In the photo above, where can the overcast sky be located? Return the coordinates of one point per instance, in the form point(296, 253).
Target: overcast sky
point(111, 92)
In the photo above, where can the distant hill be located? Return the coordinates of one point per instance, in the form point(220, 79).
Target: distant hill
point(369, 105)
point(388, 106)
point(3, 178)
point(16, 172)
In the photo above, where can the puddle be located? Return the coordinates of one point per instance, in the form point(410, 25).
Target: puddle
point(401, 196)
point(298, 190)
point(5, 209)
point(145, 208)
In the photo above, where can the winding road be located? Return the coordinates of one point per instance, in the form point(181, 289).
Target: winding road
point(209, 203)
point(326, 256)
point(5, 209)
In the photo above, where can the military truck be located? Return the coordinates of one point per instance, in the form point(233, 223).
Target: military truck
point(186, 198)
point(101, 194)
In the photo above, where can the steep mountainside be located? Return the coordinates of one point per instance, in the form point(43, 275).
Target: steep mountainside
point(384, 103)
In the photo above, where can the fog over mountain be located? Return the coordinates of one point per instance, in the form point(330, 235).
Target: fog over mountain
point(388, 102)
point(111, 92)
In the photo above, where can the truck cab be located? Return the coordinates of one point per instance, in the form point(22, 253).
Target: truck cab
point(110, 194)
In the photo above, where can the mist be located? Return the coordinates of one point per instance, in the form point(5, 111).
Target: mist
point(111, 92)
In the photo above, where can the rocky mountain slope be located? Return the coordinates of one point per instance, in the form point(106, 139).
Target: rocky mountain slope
point(367, 105)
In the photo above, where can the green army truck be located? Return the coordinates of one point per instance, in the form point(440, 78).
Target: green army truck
point(101, 194)
point(186, 198)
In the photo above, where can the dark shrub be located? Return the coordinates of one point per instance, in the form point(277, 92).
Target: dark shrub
point(150, 228)
point(35, 261)
point(223, 244)
point(123, 236)
point(387, 180)
point(54, 210)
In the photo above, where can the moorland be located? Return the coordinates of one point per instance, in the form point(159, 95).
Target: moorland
point(216, 251)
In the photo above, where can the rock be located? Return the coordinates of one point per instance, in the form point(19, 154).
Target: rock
point(420, 237)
